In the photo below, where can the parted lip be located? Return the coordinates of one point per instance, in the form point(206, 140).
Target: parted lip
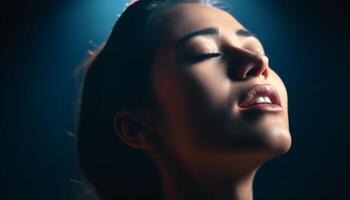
point(248, 98)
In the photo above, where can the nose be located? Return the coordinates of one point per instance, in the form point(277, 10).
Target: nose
point(245, 64)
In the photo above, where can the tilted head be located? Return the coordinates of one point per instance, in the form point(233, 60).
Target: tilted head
point(176, 81)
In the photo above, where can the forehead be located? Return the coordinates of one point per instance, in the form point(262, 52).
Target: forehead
point(184, 18)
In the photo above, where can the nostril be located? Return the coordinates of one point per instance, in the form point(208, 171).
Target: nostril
point(245, 65)
point(254, 71)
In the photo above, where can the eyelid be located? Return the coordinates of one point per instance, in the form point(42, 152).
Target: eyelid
point(206, 49)
point(201, 48)
point(203, 55)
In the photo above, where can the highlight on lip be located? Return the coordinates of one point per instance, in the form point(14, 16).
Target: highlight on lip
point(254, 95)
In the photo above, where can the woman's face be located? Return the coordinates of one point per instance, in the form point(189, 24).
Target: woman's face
point(204, 67)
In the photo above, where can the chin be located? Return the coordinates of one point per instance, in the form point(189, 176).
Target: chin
point(277, 142)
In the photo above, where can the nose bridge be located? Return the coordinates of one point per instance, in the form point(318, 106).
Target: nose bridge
point(244, 64)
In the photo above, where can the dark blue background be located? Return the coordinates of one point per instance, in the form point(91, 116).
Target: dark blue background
point(42, 42)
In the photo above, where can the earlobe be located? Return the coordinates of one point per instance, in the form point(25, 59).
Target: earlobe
point(130, 129)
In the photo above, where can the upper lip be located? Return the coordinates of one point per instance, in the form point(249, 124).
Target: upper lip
point(250, 96)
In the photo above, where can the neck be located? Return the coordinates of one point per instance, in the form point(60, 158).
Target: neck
point(181, 185)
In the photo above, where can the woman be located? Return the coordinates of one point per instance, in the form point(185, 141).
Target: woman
point(180, 103)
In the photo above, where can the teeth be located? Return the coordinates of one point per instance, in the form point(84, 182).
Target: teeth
point(267, 99)
point(263, 99)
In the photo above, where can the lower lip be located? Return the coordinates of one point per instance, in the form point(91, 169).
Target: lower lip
point(263, 107)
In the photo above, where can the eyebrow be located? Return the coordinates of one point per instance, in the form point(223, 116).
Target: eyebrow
point(213, 31)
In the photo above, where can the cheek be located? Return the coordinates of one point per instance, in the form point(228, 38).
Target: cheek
point(192, 99)
point(168, 95)
point(186, 91)
point(208, 86)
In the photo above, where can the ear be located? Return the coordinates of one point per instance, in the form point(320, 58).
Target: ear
point(135, 129)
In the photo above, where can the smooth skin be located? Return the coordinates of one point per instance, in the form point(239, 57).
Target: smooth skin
point(204, 145)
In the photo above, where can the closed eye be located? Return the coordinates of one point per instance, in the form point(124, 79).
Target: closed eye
point(202, 57)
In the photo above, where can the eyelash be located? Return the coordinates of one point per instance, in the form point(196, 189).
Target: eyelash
point(204, 56)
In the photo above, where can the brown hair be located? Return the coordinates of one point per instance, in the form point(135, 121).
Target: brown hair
point(118, 79)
